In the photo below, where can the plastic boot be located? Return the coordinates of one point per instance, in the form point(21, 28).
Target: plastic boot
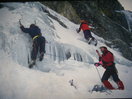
point(32, 63)
point(108, 85)
point(120, 85)
point(95, 42)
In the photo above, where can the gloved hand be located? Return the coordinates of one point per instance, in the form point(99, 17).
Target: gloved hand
point(99, 63)
point(96, 64)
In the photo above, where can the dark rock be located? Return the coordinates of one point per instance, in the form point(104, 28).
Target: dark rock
point(64, 8)
point(122, 47)
point(1, 6)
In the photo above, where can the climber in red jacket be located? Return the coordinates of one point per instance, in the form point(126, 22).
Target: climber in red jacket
point(107, 61)
point(86, 30)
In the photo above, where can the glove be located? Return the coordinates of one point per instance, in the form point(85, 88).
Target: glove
point(99, 63)
point(96, 64)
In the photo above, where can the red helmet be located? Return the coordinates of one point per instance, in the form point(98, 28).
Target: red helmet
point(83, 21)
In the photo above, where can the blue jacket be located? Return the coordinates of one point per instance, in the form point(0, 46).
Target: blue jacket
point(32, 31)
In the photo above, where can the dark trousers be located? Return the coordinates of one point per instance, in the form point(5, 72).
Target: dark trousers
point(110, 71)
point(38, 45)
point(87, 35)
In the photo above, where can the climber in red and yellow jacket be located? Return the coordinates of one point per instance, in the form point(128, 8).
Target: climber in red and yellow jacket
point(86, 30)
point(107, 61)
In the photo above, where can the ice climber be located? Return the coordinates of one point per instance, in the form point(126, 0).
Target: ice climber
point(107, 61)
point(38, 42)
point(86, 30)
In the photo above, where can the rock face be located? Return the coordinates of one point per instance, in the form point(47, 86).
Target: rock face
point(128, 15)
point(110, 8)
point(64, 8)
point(104, 15)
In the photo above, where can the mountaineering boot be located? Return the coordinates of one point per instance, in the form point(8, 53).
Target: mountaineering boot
point(108, 85)
point(120, 85)
point(95, 42)
point(32, 63)
point(41, 56)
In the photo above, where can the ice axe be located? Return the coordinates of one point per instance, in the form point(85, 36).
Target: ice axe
point(96, 67)
point(98, 53)
point(20, 22)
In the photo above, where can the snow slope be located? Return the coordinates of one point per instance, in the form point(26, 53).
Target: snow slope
point(68, 57)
